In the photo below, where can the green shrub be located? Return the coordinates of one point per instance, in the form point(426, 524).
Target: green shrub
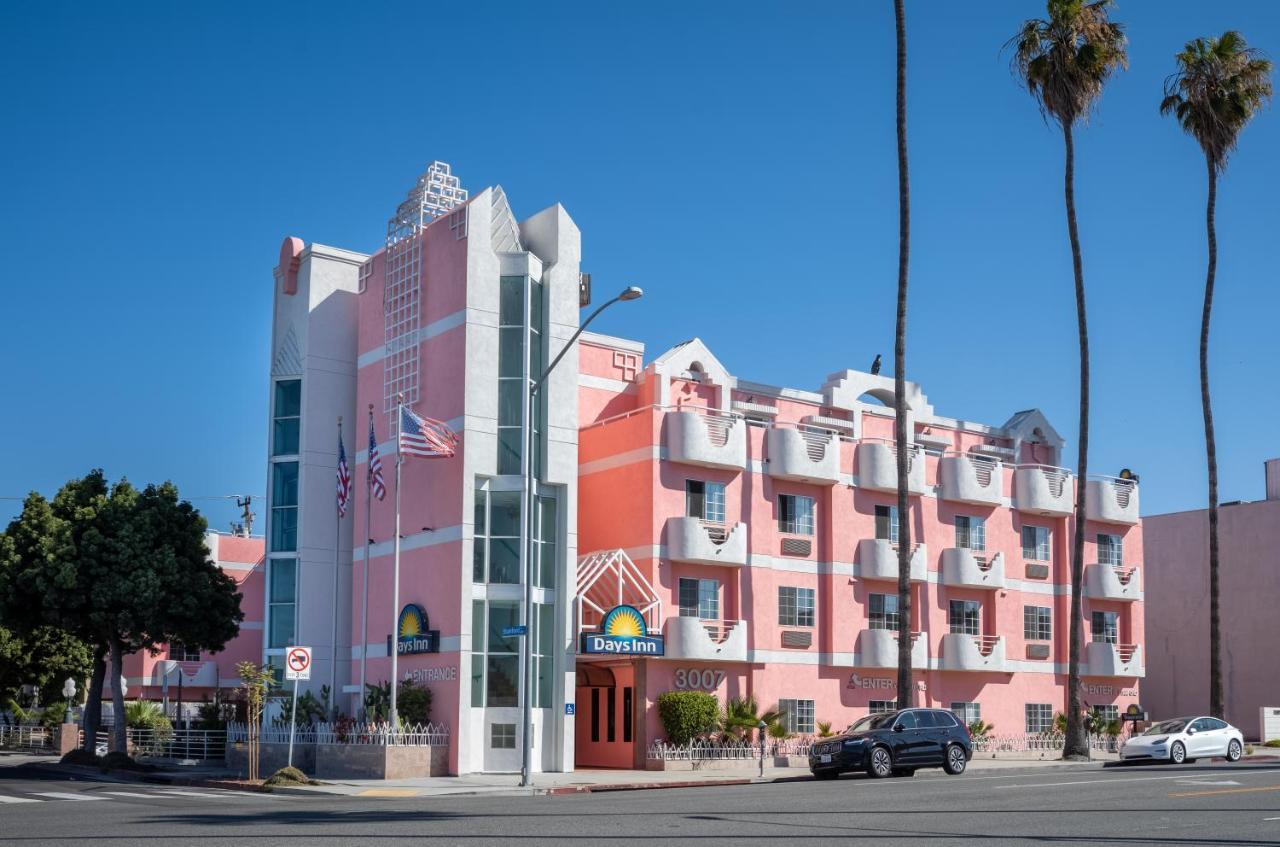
point(1275, 742)
point(289, 776)
point(687, 715)
point(53, 715)
point(143, 714)
point(413, 703)
point(824, 729)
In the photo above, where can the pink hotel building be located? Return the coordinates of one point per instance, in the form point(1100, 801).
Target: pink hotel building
point(751, 526)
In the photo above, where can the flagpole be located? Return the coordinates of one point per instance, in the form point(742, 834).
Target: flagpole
point(364, 602)
point(337, 541)
point(395, 570)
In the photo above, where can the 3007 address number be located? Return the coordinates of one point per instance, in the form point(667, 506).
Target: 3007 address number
point(694, 678)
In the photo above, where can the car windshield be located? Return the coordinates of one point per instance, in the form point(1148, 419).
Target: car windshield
point(872, 722)
point(1165, 727)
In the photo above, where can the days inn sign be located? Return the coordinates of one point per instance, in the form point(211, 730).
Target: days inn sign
point(622, 633)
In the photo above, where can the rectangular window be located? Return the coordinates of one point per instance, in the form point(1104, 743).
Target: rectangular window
point(544, 661)
point(1037, 623)
point(887, 523)
point(496, 557)
point(1106, 714)
point(478, 629)
point(284, 507)
point(1035, 543)
point(704, 500)
point(511, 372)
point(795, 514)
point(628, 708)
point(178, 652)
point(502, 736)
point(971, 532)
point(882, 707)
point(883, 611)
point(700, 598)
point(795, 606)
point(595, 714)
point(286, 417)
point(611, 714)
point(964, 617)
point(797, 716)
point(1110, 550)
point(1106, 627)
point(1039, 718)
point(967, 713)
point(282, 594)
point(546, 530)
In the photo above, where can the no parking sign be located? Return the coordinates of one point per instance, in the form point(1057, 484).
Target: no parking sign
point(297, 663)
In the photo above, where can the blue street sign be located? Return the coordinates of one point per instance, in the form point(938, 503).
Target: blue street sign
point(509, 631)
point(570, 709)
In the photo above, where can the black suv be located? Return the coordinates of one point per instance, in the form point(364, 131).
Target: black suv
point(895, 744)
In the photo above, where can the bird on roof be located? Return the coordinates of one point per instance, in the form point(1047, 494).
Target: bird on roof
point(875, 366)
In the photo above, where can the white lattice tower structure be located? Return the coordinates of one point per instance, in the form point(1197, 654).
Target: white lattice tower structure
point(436, 192)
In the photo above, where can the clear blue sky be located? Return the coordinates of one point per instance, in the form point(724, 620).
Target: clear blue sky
point(736, 160)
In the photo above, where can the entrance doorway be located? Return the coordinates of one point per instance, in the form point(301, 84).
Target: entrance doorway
point(606, 720)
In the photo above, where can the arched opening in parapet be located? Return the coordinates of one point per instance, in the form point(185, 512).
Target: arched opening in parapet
point(696, 372)
point(877, 397)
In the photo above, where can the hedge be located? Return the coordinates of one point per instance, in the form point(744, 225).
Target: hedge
point(686, 715)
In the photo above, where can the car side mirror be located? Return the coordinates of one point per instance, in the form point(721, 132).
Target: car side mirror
point(897, 727)
point(1191, 730)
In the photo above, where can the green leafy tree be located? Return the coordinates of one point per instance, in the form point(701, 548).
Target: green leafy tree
point(120, 569)
point(1065, 60)
point(44, 657)
point(1220, 84)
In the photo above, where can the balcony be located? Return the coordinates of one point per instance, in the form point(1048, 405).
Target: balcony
point(971, 479)
point(1108, 582)
point(878, 559)
point(1106, 659)
point(878, 467)
point(706, 542)
point(1043, 490)
point(978, 653)
point(804, 455)
point(878, 648)
point(965, 568)
point(711, 641)
point(712, 441)
point(1112, 500)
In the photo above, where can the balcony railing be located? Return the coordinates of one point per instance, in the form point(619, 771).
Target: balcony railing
point(966, 478)
point(1108, 582)
point(1043, 490)
point(878, 559)
point(963, 652)
point(878, 466)
point(1111, 499)
point(804, 454)
point(705, 640)
point(965, 568)
point(710, 439)
point(878, 648)
point(1108, 659)
point(706, 542)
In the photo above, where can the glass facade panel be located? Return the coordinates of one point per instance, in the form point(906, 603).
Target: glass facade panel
point(503, 681)
point(546, 529)
point(286, 417)
point(284, 507)
point(281, 602)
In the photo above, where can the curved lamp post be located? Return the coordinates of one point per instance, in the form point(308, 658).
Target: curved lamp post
point(631, 292)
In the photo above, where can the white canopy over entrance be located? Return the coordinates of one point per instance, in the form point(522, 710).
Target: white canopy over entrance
point(609, 578)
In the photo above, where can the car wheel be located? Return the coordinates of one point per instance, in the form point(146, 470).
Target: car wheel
point(1177, 753)
point(881, 763)
point(904, 771)
point(955, 762)
point(826, 774)
point(1234, 751)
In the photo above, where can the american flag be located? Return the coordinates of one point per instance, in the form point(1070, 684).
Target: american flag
point(344, 478)
point(376, 485)
point(425, 437)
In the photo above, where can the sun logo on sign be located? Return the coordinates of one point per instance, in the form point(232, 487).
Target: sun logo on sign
point(624, 621)
point(412, 621)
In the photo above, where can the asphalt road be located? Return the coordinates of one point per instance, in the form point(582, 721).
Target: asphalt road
point(1202, 804)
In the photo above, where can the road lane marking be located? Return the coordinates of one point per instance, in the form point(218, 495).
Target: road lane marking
point(1210, 782)
point(1126, 779)
point(4, 798)
point(1226, 791)
point(1271, 819)
point(179, 792)
point(63, 795)
point(133, 794)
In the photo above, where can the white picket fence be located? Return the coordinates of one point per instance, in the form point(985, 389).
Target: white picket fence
point(704, 750)
point(1039, 742)
point(25, 737)
point(377, 734)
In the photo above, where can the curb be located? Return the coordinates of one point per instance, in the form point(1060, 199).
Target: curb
point(647, 786)
point(153, 778)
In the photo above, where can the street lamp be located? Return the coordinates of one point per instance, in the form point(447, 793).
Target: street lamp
point(631, 292)
point(68, 691)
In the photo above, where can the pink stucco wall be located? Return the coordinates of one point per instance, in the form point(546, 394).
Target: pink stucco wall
point(1178, 599)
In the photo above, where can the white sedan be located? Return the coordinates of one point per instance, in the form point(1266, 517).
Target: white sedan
point(1185, 740)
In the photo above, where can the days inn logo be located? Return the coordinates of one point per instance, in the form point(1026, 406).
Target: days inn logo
point(412, 634)
point(623, 632)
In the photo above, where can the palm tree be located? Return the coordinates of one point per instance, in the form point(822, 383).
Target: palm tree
point(905, 688)
point(742, 716)
point(1064, 61)
point(1219, 86)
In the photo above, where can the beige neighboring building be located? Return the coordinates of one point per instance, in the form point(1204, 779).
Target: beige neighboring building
point(1177, 594)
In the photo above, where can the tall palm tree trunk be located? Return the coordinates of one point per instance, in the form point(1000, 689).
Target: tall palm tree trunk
point(906, 694)
point(1216, 704)
point(1076, 745)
